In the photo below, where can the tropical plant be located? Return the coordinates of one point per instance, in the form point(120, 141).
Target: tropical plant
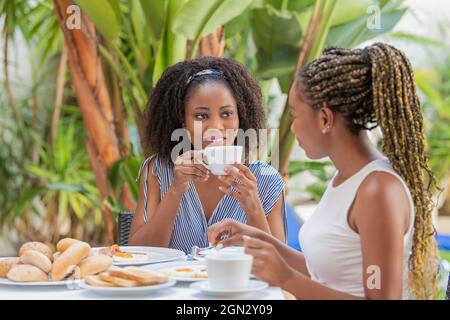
point(435, 86)
point(114, 61)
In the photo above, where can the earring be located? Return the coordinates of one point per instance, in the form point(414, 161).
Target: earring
point(326, 129)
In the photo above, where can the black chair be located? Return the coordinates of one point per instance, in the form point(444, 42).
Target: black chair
point(124, 226)
point(448, 288)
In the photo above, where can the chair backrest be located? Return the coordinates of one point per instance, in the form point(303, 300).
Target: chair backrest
point(124, 227)
point(448, 288)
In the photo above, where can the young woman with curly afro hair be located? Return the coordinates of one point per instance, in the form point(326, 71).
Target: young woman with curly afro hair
point(179, 198)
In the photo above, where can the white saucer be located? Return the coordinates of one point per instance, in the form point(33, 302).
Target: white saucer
point(253, 285)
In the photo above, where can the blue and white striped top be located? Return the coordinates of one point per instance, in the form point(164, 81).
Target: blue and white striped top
point(191, 228)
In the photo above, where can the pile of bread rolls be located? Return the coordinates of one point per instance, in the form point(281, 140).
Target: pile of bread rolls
point(73, 259)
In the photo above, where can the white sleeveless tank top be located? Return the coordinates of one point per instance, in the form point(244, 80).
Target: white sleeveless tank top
point(332, 249)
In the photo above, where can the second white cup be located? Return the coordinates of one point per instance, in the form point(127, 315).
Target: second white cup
point(229, 270)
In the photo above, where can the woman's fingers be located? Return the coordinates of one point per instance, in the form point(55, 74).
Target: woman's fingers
point(235, 194)
point(226, 226)
point(190, 157)
point(193, 171)
point(245, 171)
point(198, 166)
point(215, 231)
point(254, 243)
point(234, 240)
point(235, 174)
point(230, 181)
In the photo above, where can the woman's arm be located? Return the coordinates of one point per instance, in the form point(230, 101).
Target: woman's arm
point(275, 220)
point(161, 214)
point(381, 216)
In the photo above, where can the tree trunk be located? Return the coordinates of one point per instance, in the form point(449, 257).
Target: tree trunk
point(213, 44)
point(95, 104)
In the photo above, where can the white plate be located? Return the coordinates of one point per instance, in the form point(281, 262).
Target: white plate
point(50, 283)
point(169, 269)
point(125, 290)
point(153, 255)
point(253, 285)
point(203, 253)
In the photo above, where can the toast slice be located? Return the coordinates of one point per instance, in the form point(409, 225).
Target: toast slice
point(117, 281)
point(143, 277)
point(96, 282)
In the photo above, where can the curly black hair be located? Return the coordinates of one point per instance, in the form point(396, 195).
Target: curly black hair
point(166, 106)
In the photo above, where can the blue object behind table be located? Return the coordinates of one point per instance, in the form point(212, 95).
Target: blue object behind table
point(293, 227)
point(443, 241)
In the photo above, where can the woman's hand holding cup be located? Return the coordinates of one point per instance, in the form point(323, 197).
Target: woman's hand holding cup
point(189, 167)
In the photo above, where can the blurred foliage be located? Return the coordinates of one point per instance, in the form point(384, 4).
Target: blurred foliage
point(138, 40)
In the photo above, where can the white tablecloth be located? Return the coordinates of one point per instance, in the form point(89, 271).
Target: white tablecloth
point(180, 291)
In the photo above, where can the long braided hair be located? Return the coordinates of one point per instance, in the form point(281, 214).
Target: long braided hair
point(374, 87)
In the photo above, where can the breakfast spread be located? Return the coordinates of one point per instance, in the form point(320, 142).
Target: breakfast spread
point(38, 263)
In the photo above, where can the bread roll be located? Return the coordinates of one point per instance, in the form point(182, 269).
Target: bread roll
point(6, 265)
point(96, 282)
point(56, 255)
point(36, 259)
point(37, 246)
point(26, 273)
point(95, 264)
point(65, 243)
point(74, 274)
point(69, 259)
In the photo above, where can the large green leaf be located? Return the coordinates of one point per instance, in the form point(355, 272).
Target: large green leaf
point(428, 81)
point(241, 23)
point(344, 12)
point(198, 18)
point(350, 34)
point(155, 14)
point(103, 14)
point(172, 47)
point(277, 38)
point(286, 5)
point(425, 41)
point(348, 10)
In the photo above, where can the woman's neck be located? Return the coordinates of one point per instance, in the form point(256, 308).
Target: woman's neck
point(351, 152)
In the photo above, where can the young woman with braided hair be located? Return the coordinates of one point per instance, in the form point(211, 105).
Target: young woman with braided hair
point(371, 236)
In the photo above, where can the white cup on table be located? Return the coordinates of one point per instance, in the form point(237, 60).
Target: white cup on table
point(228, 270)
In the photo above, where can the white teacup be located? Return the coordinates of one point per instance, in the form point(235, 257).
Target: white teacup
point(219, 157)
point(228, 270)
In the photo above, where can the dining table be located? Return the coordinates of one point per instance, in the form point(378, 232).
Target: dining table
point(181, 290)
